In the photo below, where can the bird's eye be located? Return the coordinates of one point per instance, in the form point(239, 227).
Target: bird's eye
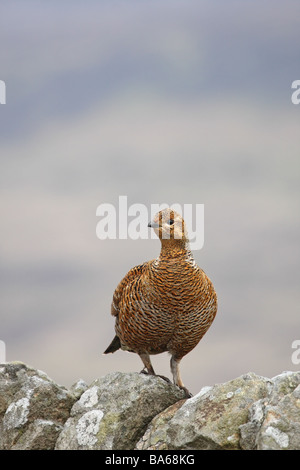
point(171, 222)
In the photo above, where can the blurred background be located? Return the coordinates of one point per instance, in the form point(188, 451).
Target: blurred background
point(164, 101)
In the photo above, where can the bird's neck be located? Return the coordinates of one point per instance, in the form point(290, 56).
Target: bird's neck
point(174, 248)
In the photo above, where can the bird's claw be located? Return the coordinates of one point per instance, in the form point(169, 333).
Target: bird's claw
point(146, 372)
point(187, 393)
point(164, 378)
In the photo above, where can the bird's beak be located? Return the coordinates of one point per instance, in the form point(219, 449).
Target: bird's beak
point(153, 224)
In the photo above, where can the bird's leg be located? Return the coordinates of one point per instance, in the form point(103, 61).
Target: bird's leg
point(147, 364)
point(148, 369)
point(176, 376)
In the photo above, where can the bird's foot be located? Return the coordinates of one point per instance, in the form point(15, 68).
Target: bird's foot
point(187, 393)
point(146, 372)
point(164, 378)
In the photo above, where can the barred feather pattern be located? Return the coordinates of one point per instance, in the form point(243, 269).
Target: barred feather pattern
point(166, 304)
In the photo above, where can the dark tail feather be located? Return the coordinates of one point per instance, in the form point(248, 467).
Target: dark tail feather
point(114, 345)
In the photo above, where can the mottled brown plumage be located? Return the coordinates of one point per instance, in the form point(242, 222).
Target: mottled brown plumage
point(166, 304)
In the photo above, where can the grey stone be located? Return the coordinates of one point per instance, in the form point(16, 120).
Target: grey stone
point(209, 420)
point(78, 388)
point(135, 411)
point(33, 408)
point(280, 427)
point(274, 422)
point(115, 410)
point(39, 435)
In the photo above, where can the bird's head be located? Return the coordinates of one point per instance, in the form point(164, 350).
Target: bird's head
point(169, 225)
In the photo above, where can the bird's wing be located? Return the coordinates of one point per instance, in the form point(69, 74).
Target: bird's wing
point(131, 276)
